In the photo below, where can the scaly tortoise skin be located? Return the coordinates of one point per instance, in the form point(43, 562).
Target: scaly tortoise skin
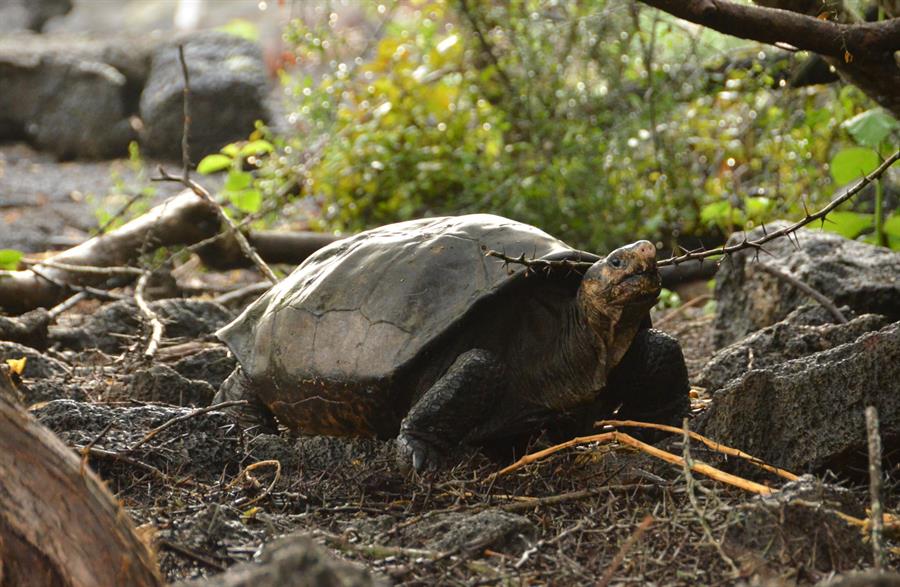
point(410, 331)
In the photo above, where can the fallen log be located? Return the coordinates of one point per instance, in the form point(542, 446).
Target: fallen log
point(58, 523)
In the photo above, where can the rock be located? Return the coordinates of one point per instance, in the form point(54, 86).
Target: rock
point(204, 445)
point(228, 92)
point(807, 414)
point(22, 15)
point(37, 365)
point(29, 329)
point(212, 365)
point(851, 273)
point(161, 383)
point(805, 331)
point(113, 327)
point(74, 106)
point(473, 533)
point(797, 527)
point(294, 560)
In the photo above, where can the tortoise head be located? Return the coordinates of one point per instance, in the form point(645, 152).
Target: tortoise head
point(617, 292)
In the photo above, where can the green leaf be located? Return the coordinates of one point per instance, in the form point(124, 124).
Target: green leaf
point(242, 28)
point(9, 259)
point(892, 225)
point(852, 163)
point(238, 181)
point(231, 149)
point(757, 207)
point(715, 212)
point(213, 163)
point(848, 224)
point(872, 127)
point(245, 200)
point(256, 147)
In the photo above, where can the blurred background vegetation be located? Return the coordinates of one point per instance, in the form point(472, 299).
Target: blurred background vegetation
point(598, 121)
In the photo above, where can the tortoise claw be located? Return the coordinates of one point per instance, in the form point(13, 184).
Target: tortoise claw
point(421, 453)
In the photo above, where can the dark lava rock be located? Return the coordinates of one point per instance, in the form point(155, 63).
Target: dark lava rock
point(37, 365)
point(112, 328)
point(858, 275)
point(212, 365)
point(203, 445)
point(160, 383)
point(797, 527)
point(294, 560)
point(808, 414)
point(228, 93)
point(29, 329)
point(805, 331)
point(30, 15)
point(473, 533)
point(72, 106)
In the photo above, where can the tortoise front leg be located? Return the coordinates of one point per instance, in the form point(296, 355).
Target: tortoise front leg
point(457, 402)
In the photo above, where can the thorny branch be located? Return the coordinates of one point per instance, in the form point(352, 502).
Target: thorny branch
point(724, 250)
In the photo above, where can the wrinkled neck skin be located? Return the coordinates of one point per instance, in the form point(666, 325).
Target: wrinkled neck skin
point(611, 327)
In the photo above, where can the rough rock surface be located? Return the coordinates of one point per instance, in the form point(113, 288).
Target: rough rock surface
point(37, 365)
point(858, 275)
point(807, 330)
point(496, 530)
point(228, 94)
point(30, 15)
point(800, 518)
point(203, 445)
point(72, 102)
point(112, 328)
point(160, 383)
point(212, 365)
point(292, 561)
point(807, 414)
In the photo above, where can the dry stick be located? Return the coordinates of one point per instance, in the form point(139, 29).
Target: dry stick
point(184, 417)
point(718, 447)
point(623, 551)
point(57, 310)
point(726, 249)
point(202, 192)
point(111, 271)
point(808, 290)
point(156, 324)
point(878, 554)
point(246, 472)
point(692, 497)
point(623, 438)
point(680, 309)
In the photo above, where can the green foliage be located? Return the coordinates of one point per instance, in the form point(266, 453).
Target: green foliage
point(852, 163)
point(9, 259)
point(240, 189)
point(129, 197)
point(598, 121)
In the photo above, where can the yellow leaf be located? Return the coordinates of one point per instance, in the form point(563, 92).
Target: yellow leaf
point(17, 366)
point(250, 514)
point(848, 57)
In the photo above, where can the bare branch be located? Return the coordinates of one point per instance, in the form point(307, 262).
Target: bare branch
point(870, 41)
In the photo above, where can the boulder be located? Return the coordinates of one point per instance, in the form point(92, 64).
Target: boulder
point(808, 414)
point(294, 560)
point(30, 15)
point(63, 95)
point(807, 330)
point(228, 93)
point(861, 276)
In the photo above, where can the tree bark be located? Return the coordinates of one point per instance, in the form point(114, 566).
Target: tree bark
point(58, 523)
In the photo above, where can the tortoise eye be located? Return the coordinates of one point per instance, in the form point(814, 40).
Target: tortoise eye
point(616, 262)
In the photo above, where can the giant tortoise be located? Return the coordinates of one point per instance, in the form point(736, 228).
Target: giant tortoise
point(410, 331)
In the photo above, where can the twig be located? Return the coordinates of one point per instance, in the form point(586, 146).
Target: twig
point(808, 290)
point(681, 309)
point(186, 132)
point(202, 192)
point(65, 305)
point(727, 450)
point(878, 554)
point(623, 551)
point(246, 472)
point(692, 497)
point(726, 249)
point(86, 450)
point(623, 438)
point(111, 271)
point(241, 292)
point(196, 556)
point(156, 325)
point(184, 417)
point(116, 456)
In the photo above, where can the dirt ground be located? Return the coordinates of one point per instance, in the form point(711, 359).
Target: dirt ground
point(212, 492)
